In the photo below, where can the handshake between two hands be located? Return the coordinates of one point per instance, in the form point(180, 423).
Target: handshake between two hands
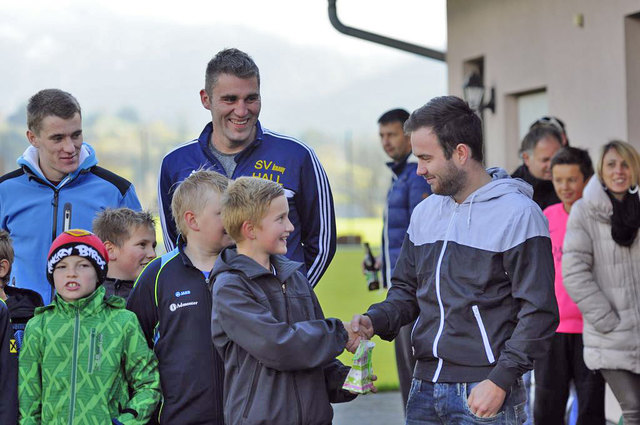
point(359, 328)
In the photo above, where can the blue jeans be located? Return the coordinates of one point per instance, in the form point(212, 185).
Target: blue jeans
point(446, 404)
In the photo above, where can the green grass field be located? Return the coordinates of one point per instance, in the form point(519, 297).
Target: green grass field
point(342, 293)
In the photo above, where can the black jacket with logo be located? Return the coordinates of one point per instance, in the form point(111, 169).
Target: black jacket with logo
point(8, 370)
point(172, 300)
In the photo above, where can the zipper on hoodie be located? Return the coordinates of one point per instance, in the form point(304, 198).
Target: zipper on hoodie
point(92, 351)
point(436, 340)
point(483, 332)
point(54, 227)
point(74, 366)
point(293, 377)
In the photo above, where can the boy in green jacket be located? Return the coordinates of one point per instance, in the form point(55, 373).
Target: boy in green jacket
point(84, 359)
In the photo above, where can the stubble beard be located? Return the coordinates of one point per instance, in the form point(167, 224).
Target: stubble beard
point(453, 182)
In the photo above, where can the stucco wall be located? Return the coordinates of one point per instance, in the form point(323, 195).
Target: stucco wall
point(530, 45)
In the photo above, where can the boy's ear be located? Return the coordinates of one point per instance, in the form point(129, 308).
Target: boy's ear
point(5, 268)
point(191, 220)
point(112, 249)
point(247, 230)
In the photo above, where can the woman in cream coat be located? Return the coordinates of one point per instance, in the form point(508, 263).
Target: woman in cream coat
point(601, 271)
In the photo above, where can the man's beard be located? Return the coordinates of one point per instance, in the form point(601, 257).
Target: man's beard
point(452, 182)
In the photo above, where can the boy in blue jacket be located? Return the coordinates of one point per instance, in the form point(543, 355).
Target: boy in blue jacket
point(279, 350)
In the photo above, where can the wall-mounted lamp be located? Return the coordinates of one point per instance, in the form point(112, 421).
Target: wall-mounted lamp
point(474, 92)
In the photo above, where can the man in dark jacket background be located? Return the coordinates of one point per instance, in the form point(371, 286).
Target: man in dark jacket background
point(537, 149)
point(406, 191)
point(476, 270)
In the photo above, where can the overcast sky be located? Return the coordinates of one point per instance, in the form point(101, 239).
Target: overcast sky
point(151, 55)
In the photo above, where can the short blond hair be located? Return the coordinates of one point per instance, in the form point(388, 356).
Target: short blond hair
point(115, 225)
point(247, 199)
point(6, 249)
point(628, 153)
point(192, 194)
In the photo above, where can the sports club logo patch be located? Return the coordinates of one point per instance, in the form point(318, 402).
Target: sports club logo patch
point(175, 306)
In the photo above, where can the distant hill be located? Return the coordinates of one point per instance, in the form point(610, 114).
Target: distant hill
point(156, 69)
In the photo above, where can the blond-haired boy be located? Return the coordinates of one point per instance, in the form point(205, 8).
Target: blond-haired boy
point(130, 238)
point(278, 348)
point(172, 300)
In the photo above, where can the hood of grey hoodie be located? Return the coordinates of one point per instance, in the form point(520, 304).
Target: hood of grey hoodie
point(497, 216)
point(230, 260)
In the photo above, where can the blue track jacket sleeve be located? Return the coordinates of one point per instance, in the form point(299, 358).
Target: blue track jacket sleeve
point(418, 190)
point(318, 222)
point(8, 370)
point(143, 303)
point(278, 345)
point(165, 183)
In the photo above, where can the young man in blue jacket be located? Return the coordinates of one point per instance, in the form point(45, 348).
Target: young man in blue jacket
point(406, 191)
point(58, 186)
point(475, 271)
point(235, 144)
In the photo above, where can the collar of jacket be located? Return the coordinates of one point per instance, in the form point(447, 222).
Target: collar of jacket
point(397, 167)
point(120, 282)
point(181, 243)
point(230, 260)
point(205, 137)
point(21, 301)
point(88, 305)
point(523, 173)
point(596, 200)
point(30, 163)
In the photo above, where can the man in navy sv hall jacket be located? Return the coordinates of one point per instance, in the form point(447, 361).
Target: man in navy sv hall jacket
point(235, 144)
point(475, 271)
point(58, 186)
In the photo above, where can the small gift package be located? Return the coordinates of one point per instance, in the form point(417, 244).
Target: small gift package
point(359, 377)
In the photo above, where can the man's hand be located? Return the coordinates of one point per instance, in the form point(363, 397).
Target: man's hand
point(362, 327)
point(354, 338)
point(486, 399)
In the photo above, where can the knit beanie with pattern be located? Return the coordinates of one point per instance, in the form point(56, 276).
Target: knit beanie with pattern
point(83, 244)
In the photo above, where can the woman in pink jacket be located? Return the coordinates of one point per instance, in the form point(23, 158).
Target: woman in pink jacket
point(571, 168)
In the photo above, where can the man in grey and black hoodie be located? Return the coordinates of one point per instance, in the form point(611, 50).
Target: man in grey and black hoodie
point(476, 271)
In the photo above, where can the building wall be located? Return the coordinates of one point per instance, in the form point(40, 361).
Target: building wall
point(591, 73)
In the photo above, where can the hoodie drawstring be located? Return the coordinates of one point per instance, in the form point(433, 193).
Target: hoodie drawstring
point(469, 215)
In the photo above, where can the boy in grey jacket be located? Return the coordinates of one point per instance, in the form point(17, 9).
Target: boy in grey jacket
point(279, 350)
